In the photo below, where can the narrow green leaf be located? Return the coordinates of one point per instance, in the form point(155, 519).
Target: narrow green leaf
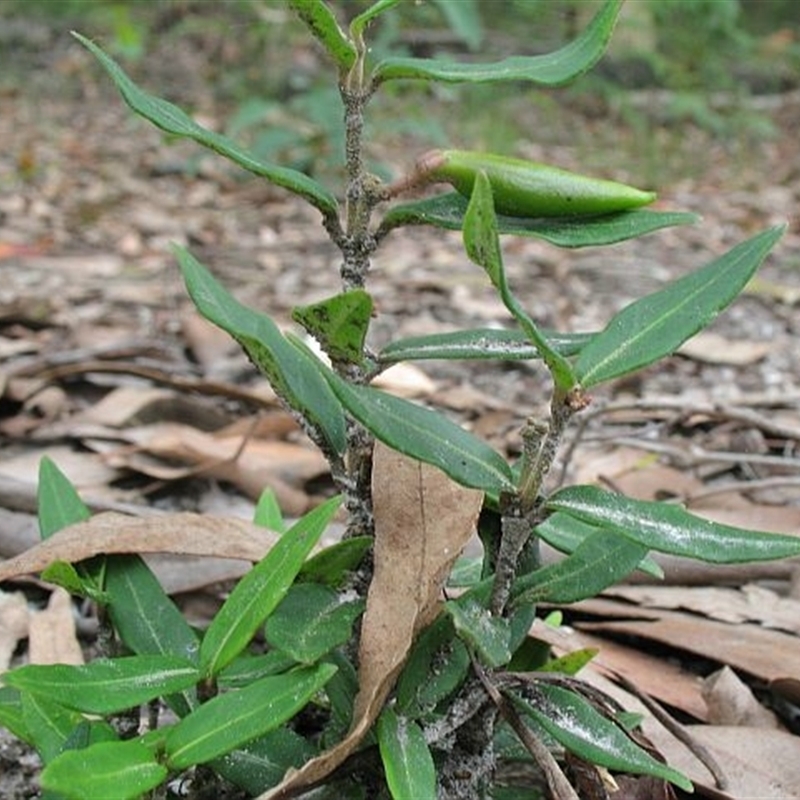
point(360, 22)
point(148, 621)
point(247, 669)
point(552, 69)
point(425, 435)
point(268, 512)
point(11, 716)
point(599, 561)
point(573, 722)
point(339, 324)
point(488, 636)
point(48, 723)
point(671, 529)
point(565, 533)
point(333, 565)
point(58, 503)
point(310, 621)
point(258, 593)
point(230, 720)
point(65, 575)
point(105, 686)
point(482, 244)
point(174, 120)
point(111, 770)
point(436, 667)
point(466, 572)
point(322, 23)
point(293, 376)
point(447, 211)
point(262, 763)
point(481, 343)
point(407, 761)
point(340, 693)
point(571, 663)
point(655, 326)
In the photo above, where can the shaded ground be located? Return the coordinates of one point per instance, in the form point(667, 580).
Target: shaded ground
point(91, 304)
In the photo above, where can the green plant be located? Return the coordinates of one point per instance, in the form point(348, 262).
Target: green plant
point(419, 700)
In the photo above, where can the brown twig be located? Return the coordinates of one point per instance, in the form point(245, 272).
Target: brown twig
point(557, 782)
point(700, 751)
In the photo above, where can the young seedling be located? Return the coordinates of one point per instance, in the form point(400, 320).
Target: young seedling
point(420, 699)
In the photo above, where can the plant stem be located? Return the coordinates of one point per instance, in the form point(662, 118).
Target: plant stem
point(357, 245)
point(521, 515)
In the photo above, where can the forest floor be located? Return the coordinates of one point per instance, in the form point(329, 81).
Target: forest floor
point(107, 369)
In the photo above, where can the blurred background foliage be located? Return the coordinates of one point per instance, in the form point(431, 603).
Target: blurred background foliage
point(673, 64)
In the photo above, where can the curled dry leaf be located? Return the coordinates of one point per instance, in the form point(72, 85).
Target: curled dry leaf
point(111, 532)
point(14, 620)
point(730, 701)
point(52, 638)
point(423, 520)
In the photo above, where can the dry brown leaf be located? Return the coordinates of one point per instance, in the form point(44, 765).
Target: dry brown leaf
point(52, 638)
point(423, 520)
point(14, 617)
point(209, 344)
point(730, 702)
point(751, 603)
point(759, 764)
point(712, 348)
point(171, 451)
point(405, 380)
point(763, 653)
point(183, 533)
point(84, 470)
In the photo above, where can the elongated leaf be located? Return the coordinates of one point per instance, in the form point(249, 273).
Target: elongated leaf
point(552, 69)
point(294, 377)
point(234, 718)
point(111, 770)
point(481, 343)
point(407, 761)
point(58, 503)
point(65, 575)
point(425, 435)
point(488, 636)
point(599, 561)
point(311, 621)
point(11, 716)
point(671, 529)
point(482, 244)
point(447, 211)
point(147, 620)
point(174, 120)
point(260, 590)
point(268, 512)
point(656, 325)
point(360, 22)
point(565, 533)
point(105, 686)
point(436, 668)
point(573, 722)
point(248, 669)
point(49, 724)
point(264, 761)
point(332, 565)
point(321, 22)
